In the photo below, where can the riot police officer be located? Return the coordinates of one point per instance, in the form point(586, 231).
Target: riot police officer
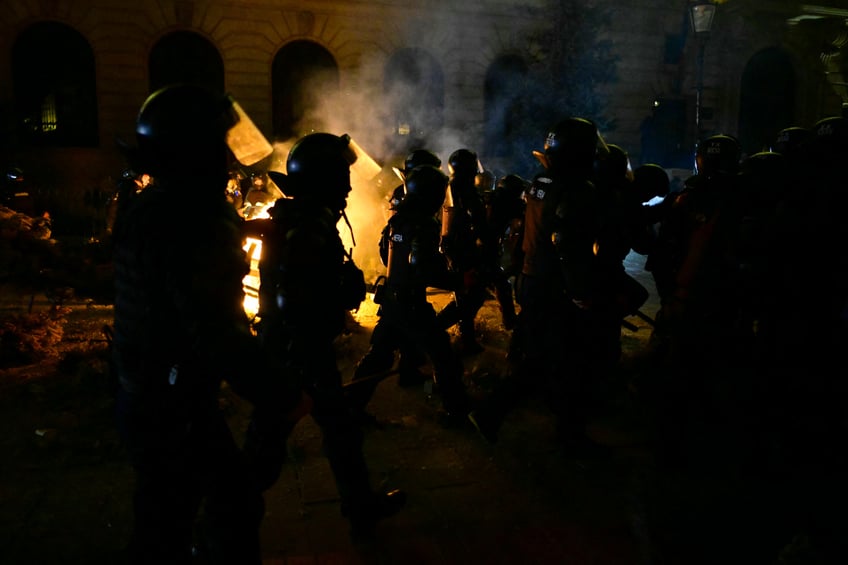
point(410, 357)
point(813, 321)
point(465, 242)
point(180, 329)
point(308, 285)
point(651, 186)
point(619, 223)
point(505, 221)
point(700, 332)
point(556, 290)
point(678, 263)
point(406, 316)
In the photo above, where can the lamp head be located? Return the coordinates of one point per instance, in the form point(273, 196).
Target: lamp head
point(701, 15)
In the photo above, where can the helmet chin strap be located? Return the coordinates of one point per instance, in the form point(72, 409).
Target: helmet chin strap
point(350, 228)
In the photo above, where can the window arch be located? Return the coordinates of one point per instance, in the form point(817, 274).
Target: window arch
point(767, 99)
point(55, 89)
point(185, 56)
point(501, 91)
point(303, 75)
point(414, 88)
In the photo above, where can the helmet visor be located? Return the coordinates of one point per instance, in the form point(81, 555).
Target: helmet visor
point(245, 140)
point(361, 163)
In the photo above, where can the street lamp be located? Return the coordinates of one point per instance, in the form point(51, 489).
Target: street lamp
point(701, 15)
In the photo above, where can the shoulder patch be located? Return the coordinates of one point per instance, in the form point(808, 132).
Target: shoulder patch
point(539, 188)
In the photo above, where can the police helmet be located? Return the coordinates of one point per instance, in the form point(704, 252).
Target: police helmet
point(650, 181)
point(615, 163)
point(829, 137)
point(463, 163)
point(790, 141)
point(420, 157)
point(426, 187)
point(572, 142)
point(763, 162)
point(396, 197)
point(510, 189)
point(484, 182)
point(718, 155)
point(318, 163)
point(181, 128)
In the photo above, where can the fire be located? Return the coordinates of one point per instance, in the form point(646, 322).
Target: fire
point(253, 247)
point(366, 212)
point(250, 282)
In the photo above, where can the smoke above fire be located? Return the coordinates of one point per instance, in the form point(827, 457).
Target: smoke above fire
point(383, 123)
point(393, 102)
point(366, 212)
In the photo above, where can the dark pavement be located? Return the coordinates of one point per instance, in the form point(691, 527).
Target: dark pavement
point(520, 500)
point(65, 486)
point(524, 500)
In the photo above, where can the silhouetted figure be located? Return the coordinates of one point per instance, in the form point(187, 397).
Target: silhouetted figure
point(619, 226)
point(702, 330)
point(651, 187)
point(414, 263)
point(309, 284)
point(465, 242)
point(505, 221)
point(811, 320)
point(180, 329)
point(410, 356)
point(557, 291)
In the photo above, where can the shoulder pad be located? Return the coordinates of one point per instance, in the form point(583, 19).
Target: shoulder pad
point(541, 185)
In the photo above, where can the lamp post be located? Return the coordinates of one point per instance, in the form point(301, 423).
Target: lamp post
point(701, 15)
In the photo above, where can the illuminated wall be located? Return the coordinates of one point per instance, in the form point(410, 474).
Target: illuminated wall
point(457, 45)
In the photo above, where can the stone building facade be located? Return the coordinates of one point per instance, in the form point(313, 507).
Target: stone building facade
point(781, 60)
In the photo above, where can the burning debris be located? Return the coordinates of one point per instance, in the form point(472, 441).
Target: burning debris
point(27, 338)
point(16, 225)
point(365, 214)
point(24, 242)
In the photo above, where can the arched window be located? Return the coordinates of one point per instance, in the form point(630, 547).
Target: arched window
point(502, 91)
point(185, 56)
point(54, 87)
point(767, 99)
point(414, 90)
point(304, 75)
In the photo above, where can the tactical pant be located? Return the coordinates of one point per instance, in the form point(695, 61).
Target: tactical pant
point(463, 310)
point(184, 457)
point(342, 435)
point(266, 442)
point(562, 353)
point(409, 322)
point(506, 300)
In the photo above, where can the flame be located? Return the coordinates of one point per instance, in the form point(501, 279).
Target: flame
point(366, 211)
point(250, 282)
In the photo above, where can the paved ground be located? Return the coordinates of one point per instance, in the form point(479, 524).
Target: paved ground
point(65, 486)
point(518, 501)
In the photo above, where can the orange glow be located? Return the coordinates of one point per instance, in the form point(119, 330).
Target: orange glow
point(250, 283)
point(366, 210)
